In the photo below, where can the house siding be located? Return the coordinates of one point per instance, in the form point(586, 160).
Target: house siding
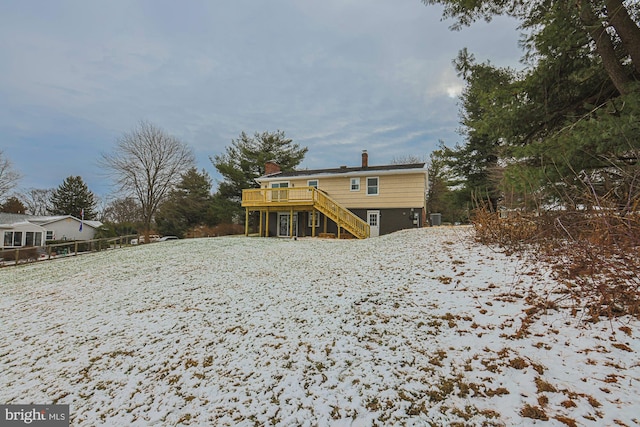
point(401, 196)
point(395, 191)
point(69, 229)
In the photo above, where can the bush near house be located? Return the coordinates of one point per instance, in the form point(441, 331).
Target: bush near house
point(215, 231)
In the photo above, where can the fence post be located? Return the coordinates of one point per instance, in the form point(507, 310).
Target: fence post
point(76, 248)
point(17, 256)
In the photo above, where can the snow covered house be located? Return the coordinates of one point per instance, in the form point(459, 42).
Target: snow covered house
point(34, 230)
point(364, 201)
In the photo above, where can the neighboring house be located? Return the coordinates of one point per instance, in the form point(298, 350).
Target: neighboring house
point(21, 234)
point(364, 201)
point(16, 229)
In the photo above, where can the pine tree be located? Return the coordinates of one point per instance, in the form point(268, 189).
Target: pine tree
point(188, 205)
point(245, 159)
point(13, 205)
point(71, 198)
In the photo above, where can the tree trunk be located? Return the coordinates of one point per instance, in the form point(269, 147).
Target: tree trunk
point(604, 47)
point(626, 28)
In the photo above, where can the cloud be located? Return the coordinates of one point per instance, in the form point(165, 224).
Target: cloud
point(336, 75)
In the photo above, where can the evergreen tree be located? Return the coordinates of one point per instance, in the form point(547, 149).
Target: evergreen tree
point(13, 205)
point(71, 198)
point(188, 205)
point(245, 159)
point(563, 130)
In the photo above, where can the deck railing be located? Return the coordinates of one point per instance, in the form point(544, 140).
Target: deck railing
point(267, 196)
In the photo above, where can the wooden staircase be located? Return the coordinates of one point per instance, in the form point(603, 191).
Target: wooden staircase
point(343, 217)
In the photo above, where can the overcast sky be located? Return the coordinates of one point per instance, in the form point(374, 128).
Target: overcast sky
point(337, 76)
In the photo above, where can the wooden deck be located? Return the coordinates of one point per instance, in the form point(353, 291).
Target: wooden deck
point(307, 199)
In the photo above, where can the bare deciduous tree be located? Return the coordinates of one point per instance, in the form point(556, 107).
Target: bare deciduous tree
point(407, 160)
point(146, 165)
point(8, 176)
point(120, 211)
point(37, 200)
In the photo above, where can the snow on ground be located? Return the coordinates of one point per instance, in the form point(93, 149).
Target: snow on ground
point(421, 327)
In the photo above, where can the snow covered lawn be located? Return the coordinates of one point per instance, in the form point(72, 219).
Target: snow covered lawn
point(421, 327)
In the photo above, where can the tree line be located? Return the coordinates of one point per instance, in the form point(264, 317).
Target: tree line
point(561, 133)
point(157, 186)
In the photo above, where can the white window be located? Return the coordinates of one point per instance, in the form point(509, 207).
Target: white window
point(312, 183)
point(49, 235)
point(355, 184)
point(372, 186)
point(317, 219)
point(12, 238)
point(373, 219)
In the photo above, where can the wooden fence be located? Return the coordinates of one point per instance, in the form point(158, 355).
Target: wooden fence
point(17, 256)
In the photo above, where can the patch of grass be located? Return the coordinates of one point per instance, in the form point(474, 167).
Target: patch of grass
point(543, 400)
point(622, 347)
point(438, 358)
point(500, 391)
point(593, 402)
point(538, 368)
point(208, 361)
point(190, 363)
point(490, 365)
point(184, 418)
point(534, 412)
point(570, 422)
point(518, 363)
point(445, 280)
point(544, 386)
point(626, 330)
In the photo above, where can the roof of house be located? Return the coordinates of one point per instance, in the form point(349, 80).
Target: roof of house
point(345, 170)
point(20, 224)
point(13, 218)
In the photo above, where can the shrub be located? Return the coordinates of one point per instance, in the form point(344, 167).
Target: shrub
point(594, 252)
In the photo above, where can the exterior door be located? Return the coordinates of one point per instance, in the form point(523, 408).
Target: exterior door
point(284, 226)
point(373, 218)
point(279, 196)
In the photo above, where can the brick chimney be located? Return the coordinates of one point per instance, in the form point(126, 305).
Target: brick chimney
point(271, 167)
point(365, 159)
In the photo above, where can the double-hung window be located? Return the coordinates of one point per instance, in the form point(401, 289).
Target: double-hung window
point(355, 184)
point(373, 188)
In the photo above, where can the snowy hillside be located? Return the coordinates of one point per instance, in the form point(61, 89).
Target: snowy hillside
point(421, 327)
